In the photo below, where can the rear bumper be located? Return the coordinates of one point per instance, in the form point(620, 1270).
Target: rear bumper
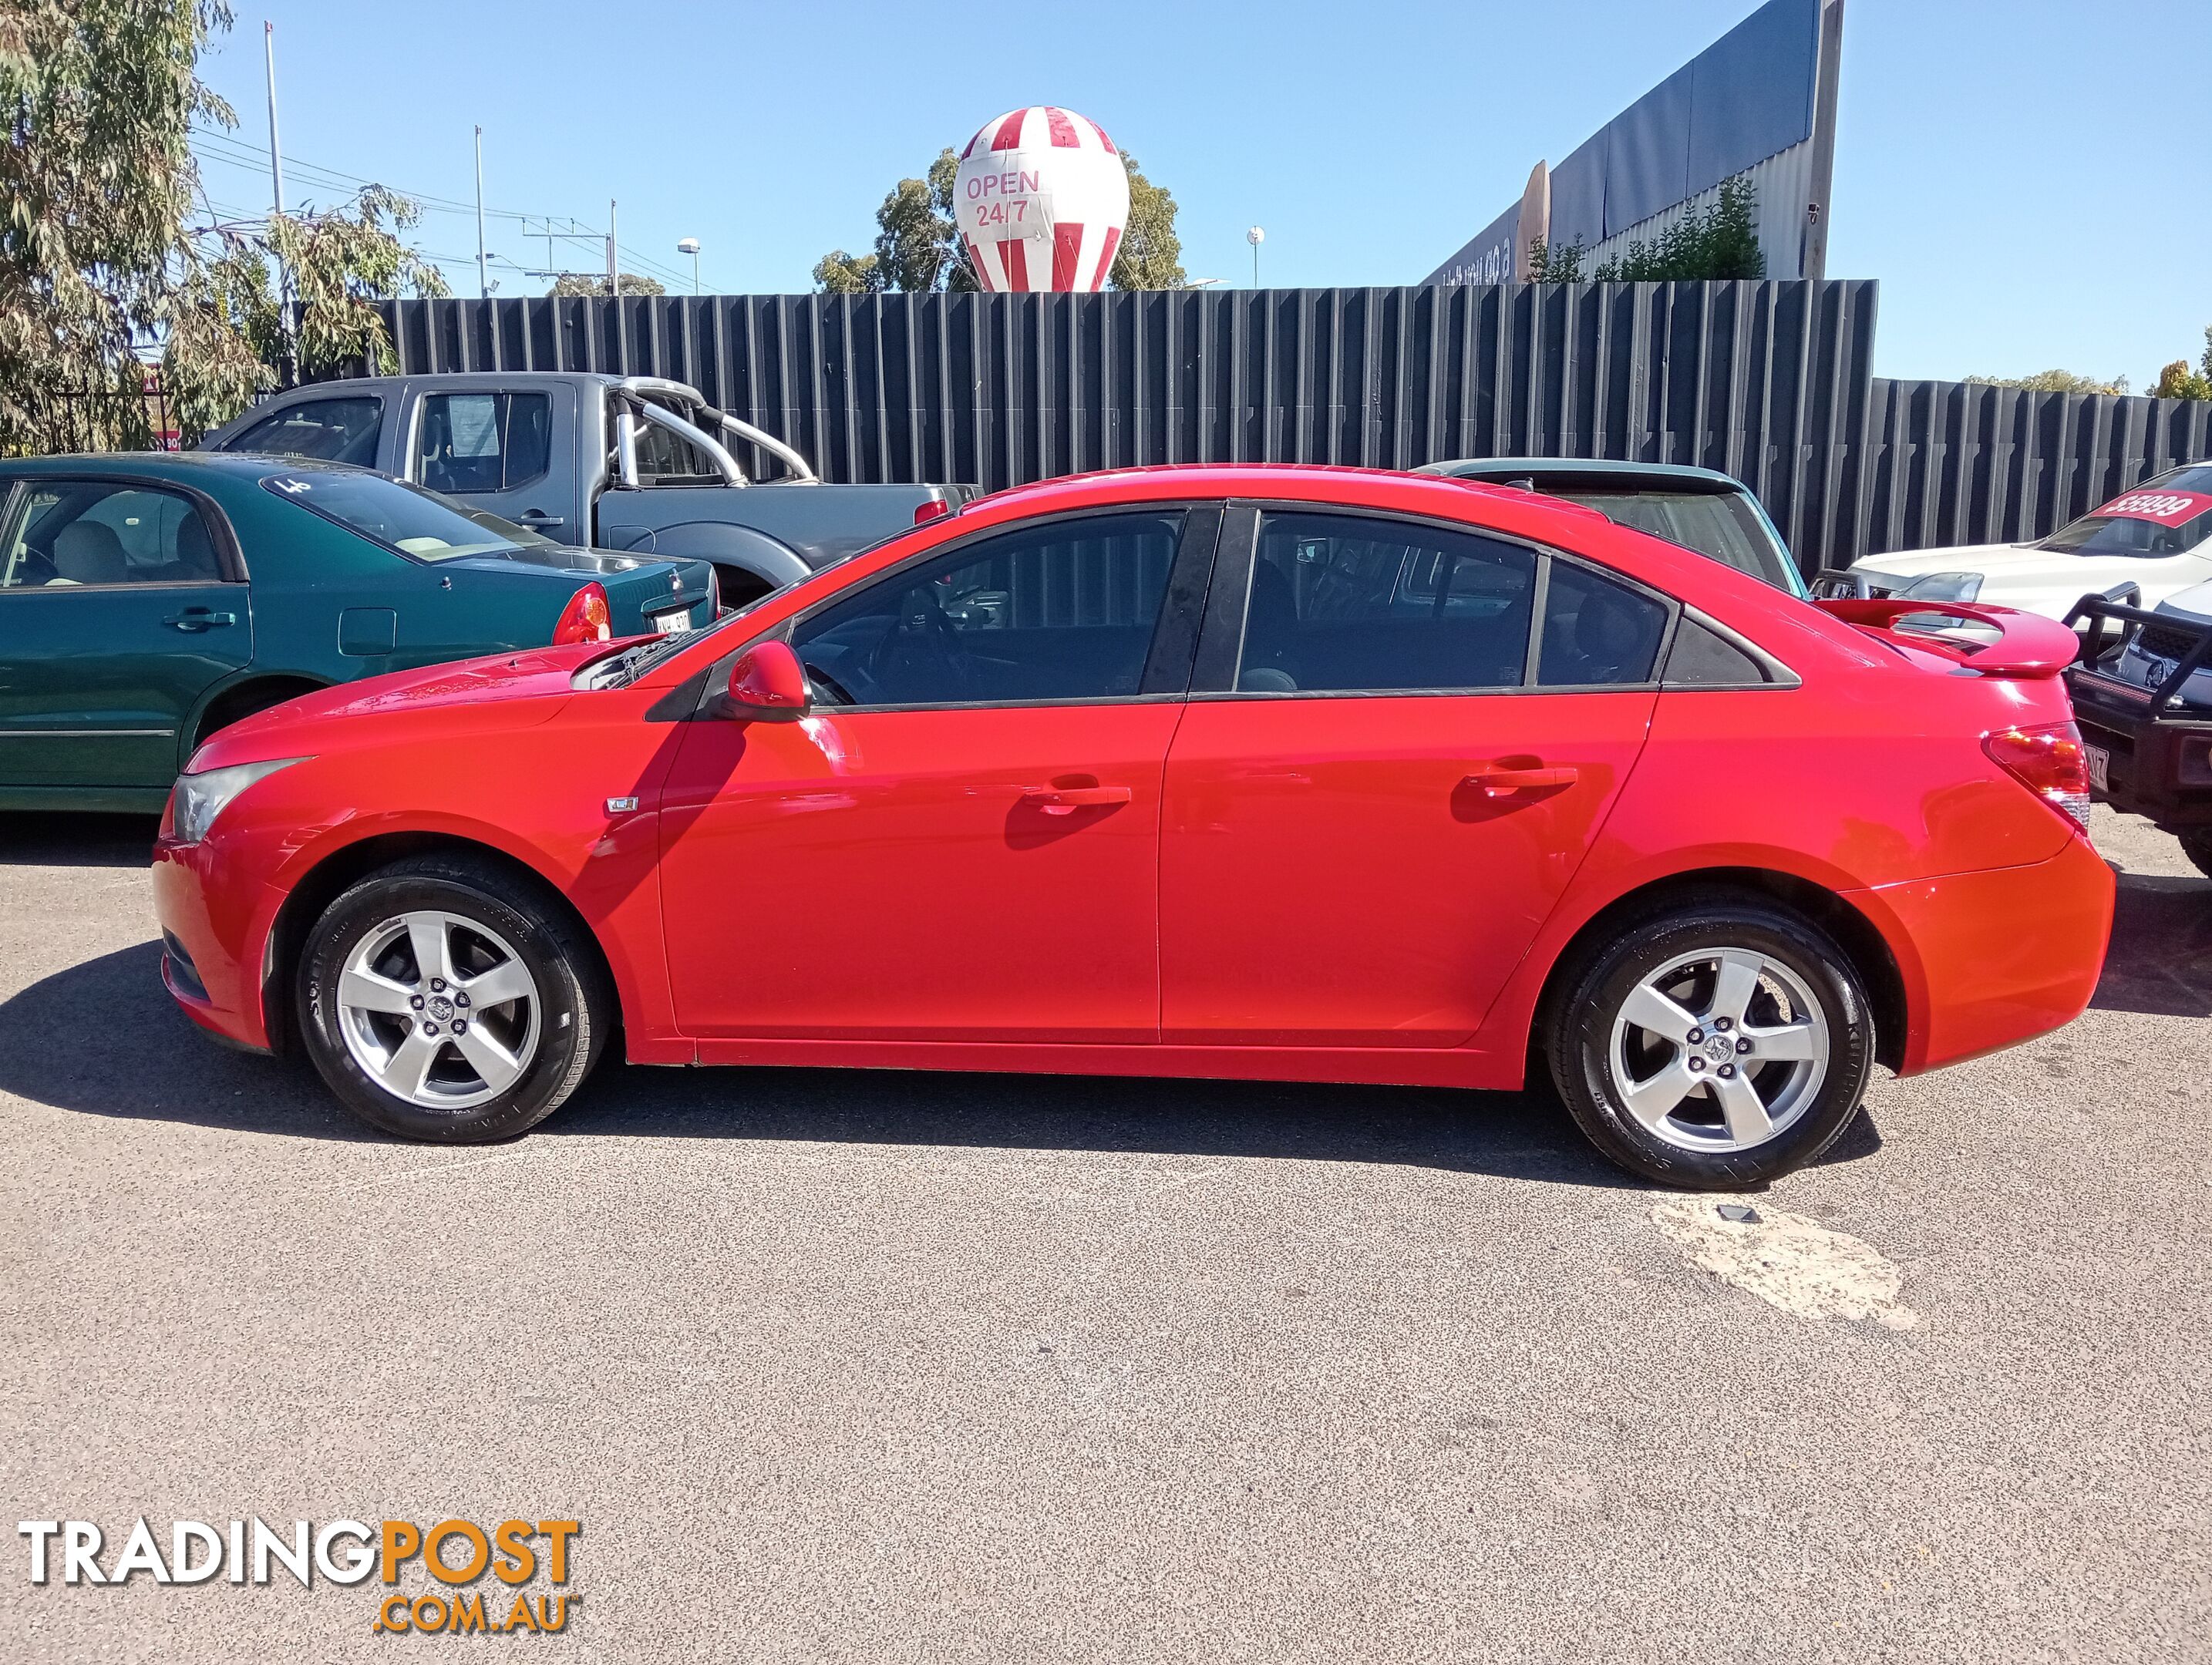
point(1998, 956)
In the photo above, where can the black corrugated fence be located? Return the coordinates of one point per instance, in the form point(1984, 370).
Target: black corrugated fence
point(1770, 381)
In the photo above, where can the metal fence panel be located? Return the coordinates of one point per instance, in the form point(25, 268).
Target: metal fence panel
point(1948, 462)
point(1772, 382)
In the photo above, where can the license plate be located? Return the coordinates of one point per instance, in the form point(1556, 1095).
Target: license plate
point(2100, 767)
point(670, 624)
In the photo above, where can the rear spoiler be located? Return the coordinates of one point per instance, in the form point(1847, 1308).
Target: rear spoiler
point(2027, 646)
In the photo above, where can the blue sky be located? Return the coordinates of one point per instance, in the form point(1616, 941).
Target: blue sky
point(2019, 176)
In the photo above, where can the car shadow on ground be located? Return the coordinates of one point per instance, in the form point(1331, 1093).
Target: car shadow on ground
point(39, 839)
point(150, 1063)
point(2160, 962)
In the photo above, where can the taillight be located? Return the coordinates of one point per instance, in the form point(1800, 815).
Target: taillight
point(2050, 763)
point(586, 618)
point(929, 511)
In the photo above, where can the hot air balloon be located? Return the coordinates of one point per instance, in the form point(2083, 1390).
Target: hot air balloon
point(1042, 198)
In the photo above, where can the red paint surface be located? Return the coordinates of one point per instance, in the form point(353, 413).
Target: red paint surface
point(1278, 889)
point(1111, 241)
point(1014, 250)
point(1063, 130)
point(2167, 508)
point(1066, 248)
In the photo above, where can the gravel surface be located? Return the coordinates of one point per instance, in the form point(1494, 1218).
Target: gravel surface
point(875, 1366)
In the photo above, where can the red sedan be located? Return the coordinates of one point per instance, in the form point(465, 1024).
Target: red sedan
point(1273, 773)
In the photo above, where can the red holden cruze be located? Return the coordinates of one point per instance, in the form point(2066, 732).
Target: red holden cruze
point(1275, 773)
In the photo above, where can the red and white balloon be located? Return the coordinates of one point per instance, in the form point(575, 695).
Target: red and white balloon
point(1042, 198)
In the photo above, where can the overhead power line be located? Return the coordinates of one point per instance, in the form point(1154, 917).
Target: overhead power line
point(217, 146)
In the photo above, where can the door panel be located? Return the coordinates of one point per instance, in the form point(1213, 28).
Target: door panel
point(1333, 873)
point(115, 617)
point(508, 451)
point(960, 873)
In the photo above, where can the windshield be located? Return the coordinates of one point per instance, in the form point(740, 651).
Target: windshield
point(2169, 515)
point(1725, 524)
point(401, 517)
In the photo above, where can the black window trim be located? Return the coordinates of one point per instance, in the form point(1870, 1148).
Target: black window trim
point(1779, 676)
point(1221, 643)
point(1166, 676)
point(229, 556)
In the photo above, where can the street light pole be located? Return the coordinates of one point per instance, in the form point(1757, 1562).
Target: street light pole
point(276, 160)
point(614, 271)
point(691, 245)
point(1255, 237)
point(484, 267)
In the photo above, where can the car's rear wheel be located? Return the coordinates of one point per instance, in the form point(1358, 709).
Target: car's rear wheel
point(2197, 845)
point(1716, 1047)
point(442, 998)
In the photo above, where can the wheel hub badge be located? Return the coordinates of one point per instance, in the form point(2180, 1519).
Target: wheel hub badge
point(440, 1007)
point(1719, 1049)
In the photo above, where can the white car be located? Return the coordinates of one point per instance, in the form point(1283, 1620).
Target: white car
point(2154, 540)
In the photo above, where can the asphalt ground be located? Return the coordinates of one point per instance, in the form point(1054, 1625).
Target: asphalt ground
point(879, 1366)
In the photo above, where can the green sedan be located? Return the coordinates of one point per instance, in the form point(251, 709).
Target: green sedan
point(146, 600)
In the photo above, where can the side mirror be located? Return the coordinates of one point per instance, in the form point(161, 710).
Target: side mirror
point(767, 685)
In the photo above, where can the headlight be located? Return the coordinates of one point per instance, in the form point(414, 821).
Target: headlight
point(201, 797)
point(1943, 587)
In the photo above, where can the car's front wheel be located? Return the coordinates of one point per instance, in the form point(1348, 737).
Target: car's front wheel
point(442, 998)
point(1713, 1047)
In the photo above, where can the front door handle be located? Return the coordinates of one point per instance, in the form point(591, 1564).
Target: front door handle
point(1511, 783)
point(535, 518)
point(198, 618)
point(1066, 800)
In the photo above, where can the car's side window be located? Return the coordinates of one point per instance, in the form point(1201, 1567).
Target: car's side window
point(1596, 631)
point(1061, 611)
point(332, 431)
point(70, 534)
point(1354, 603)
point(470, 442)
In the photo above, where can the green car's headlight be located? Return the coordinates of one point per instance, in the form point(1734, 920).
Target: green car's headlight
point(201, 797)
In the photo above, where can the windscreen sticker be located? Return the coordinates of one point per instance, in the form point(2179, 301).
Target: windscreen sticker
point(2168, 508)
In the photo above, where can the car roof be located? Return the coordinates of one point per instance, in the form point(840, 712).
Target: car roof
point(185, 467)
point(1318, 484)
point(1611, 470)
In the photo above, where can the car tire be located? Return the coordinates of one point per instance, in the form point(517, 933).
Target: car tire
point(2197, 845)
point(1801, 1043)
point(386, 1008)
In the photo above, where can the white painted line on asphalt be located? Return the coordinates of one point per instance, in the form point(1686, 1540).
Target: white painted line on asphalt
point(1787, 1261)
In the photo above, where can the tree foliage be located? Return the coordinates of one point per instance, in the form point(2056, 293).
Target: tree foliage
point(1718, 242)
point(104, 261)
point(917, 248)
point(2053, 381)
point(2177, 381)
point(573, 284)
point(1150, 254)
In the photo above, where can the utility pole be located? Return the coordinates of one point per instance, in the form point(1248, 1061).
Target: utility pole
point(483, 268)
point(614, 271)
point(276, 160)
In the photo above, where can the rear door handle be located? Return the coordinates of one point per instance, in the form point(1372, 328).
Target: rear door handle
point(1511, 783)
point(1066, 800)
point(198, 618)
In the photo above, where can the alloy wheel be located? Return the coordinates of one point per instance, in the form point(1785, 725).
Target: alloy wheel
point(439, 1010)
point(1719, 1050)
